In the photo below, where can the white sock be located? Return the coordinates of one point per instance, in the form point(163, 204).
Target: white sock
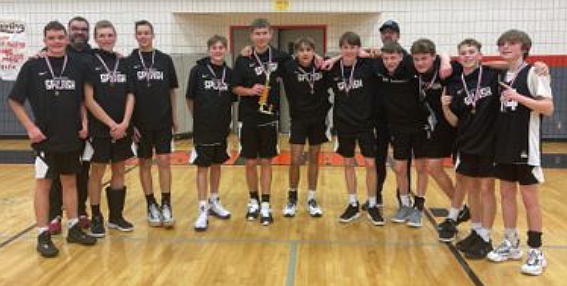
point(352, 199)
point(265, 205)
point(214, 196)
point(72, 222)
point(453, 214)
point(484, 233)
point(405, 200)
point(475, 226)
point(203, 205)
point(311, 195)
point(41, 230)
point(371, 202)
point(511, 234)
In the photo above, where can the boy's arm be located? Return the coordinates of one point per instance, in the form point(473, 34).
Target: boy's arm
point(445, 69)
point(540, 86)
point(446, 105)
point(34, 133)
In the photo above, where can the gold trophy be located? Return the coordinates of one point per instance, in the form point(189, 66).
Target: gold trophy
point(265, 107)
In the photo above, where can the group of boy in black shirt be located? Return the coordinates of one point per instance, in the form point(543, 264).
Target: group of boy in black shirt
point(487, 117)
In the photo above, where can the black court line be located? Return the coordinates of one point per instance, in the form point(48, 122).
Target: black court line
point(466, 267)
point(31, 227)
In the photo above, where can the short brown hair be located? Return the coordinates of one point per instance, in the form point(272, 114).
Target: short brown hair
point(54, 26)
point(516, 36)
point(78, 19)
point(303, 41)
point(143, 23)
point(260, 23)
point(423, 46)
point(217, 39)
point(391, 48)
point(350, 38)
point(470, 42)
point(103, 24)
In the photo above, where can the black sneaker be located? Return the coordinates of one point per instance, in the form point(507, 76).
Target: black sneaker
point(97, 226)
point(447, 230)
point(120, 224)
point(479, 250)
point(351, 213)
point(468, 242)
point(77, 235)
point(464, 215)
point(375, 216)
point(45, 246)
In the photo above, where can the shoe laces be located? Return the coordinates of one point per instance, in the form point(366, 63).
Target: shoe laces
point(154, 211)
point(533, 257)
point(253, 205)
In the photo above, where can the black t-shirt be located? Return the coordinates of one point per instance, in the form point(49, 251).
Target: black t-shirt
point(110, 92)
point(432, 85)
point(475, 129)
point(55, 102)
point(248, 72)
point(83, 55)
point(353, 109)
point(212, 96)
point(399, 95)
point(307, 91)
point(152, 88)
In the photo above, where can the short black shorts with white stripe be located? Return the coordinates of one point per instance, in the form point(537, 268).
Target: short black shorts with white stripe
point(476, 166)
point(106, 150)
point(50, 165)
point(346, 144)
point(259, 141)
point(408, 144)
point(205, 155)
point(524, 174)
point(159, 140)
point(314, 130)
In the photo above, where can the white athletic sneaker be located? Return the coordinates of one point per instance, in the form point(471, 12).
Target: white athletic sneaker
point(314, 208)
point(289, 209)
point(253, 210)
point(506, 250)
point(167, 216)
point(217, 209)
point(202, 222)
point(154, 215)
point(535, 263)
point(266, 214)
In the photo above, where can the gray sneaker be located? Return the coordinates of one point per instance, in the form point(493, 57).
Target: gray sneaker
point(402, 214)
point(414, 219)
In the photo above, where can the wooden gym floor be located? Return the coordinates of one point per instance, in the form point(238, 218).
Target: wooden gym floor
point(298, 251)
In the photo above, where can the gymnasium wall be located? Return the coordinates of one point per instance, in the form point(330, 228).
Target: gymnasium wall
point(183, 26)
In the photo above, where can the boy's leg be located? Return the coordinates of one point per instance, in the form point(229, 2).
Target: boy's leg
point(55, 206)
point(536, 260)
point(509, 248)
point(95, 187)
point(294, 177)
point(436, 170)
point(202, 221)
point(75, 233)
point(312, 177)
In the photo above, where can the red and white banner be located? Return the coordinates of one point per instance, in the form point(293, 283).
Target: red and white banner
point(12, 48)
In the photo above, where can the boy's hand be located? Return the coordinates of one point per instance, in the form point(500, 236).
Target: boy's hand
point(36, 135)
point(84, 132)
point(137, 135)
point(257, 89)
point(246, 51)
point(446, 100)
point(510, 94)
point(541, 68)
